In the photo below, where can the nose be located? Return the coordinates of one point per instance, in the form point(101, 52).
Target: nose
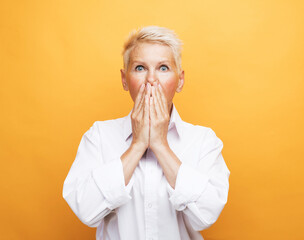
point(151, 77)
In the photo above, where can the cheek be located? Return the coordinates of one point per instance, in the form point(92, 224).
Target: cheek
point(134, 86)
point(169, 89)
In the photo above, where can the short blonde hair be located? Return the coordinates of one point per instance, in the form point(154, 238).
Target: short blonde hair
point(153, 34)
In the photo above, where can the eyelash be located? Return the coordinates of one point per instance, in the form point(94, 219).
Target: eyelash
point(165, 66)
point(160, 66)
point(138, 66)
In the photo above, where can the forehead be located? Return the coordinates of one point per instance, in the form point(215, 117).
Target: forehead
point(151, 52)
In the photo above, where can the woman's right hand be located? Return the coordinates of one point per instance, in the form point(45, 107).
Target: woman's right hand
point(140, 118)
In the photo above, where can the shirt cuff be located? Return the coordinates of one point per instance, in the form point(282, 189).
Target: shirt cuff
point(111, 182)
point(189, 185)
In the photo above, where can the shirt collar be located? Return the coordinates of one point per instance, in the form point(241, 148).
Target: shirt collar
point(175, 121)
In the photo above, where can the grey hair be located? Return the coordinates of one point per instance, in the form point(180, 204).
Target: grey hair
point(153, 34)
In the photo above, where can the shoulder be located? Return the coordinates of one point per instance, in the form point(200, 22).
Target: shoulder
point(206, 135)
point(104, 127)
point(203, 131)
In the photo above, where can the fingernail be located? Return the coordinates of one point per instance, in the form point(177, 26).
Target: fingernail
point(142, 86)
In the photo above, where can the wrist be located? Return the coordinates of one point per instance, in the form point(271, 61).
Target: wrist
point(159, 147)
point(138, 147)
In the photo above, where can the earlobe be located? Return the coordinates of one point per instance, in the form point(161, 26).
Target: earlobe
point(123, 80)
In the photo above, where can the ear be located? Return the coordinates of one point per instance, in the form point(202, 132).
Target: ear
point(181, 81)
point(124, 80)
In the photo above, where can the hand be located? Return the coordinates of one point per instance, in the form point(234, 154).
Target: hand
point(140, 118)
point(159, 118)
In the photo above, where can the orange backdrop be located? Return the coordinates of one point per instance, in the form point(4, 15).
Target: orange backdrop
point(244, 68)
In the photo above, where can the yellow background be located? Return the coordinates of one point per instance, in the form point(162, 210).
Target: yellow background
point(244, 68)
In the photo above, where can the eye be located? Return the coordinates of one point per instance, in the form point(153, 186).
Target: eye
point(164, 68)
point(139, 68)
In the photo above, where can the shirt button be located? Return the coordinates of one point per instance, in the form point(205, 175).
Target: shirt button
point(150, 205)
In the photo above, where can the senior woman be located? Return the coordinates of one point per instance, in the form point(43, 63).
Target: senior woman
point(149, 175)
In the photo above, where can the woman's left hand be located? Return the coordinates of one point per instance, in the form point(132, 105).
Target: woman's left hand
point(159, 118)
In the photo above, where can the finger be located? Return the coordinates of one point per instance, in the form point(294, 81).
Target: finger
point(139, 110)
point(152, 103)
point(159, 99)
point(146, 109)
point(156, 103)
point(146, 95)
point(148, 89)
point(140, 104)
point(164, 99)
point(152, 110)
point(139, 96)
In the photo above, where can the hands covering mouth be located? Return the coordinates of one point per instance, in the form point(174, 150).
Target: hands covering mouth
point(150, 117)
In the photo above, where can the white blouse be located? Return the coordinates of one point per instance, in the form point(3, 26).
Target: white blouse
point(148, 208)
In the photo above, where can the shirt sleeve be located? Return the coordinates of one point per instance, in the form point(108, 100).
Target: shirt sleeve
point(201, 192)
point(95, 186)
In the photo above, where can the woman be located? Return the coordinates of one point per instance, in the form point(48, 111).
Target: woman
point(149, 175)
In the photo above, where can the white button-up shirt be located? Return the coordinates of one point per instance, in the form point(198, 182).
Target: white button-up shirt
point(147, 207)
